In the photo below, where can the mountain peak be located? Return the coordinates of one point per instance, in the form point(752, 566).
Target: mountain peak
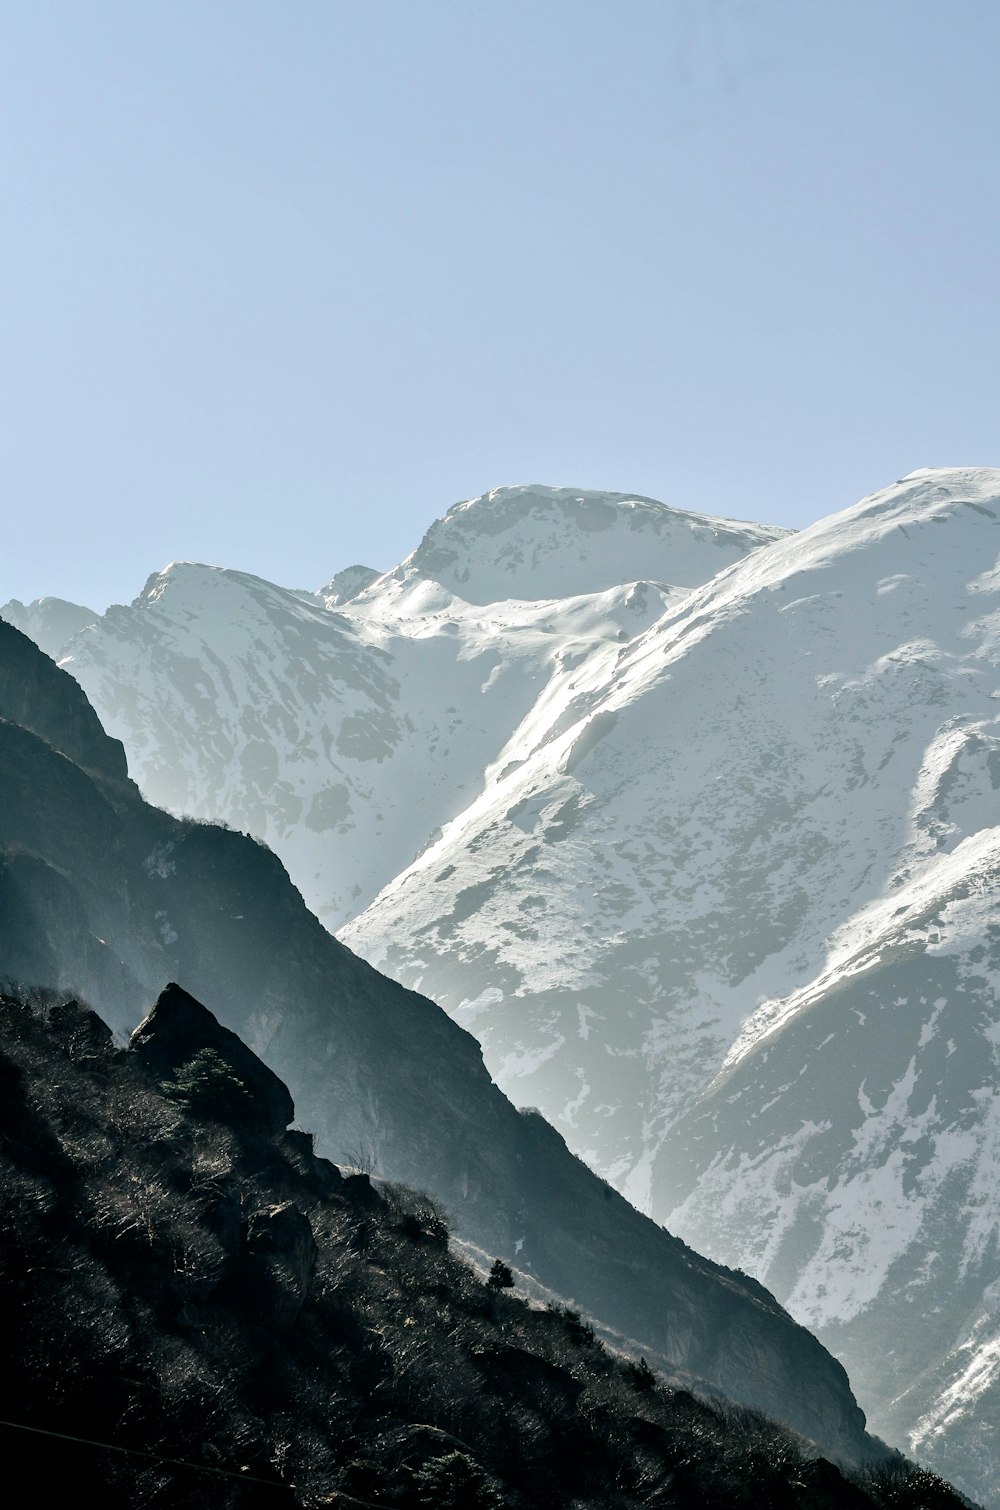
point(346, 584)
point(538, 542)
point(193, 579)
point(50, 622)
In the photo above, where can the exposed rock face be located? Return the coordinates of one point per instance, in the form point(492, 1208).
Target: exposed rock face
point(179, 1027)
point(373, 1067)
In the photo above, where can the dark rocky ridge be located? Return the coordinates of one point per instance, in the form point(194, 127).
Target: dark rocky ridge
point(104, 896)
point(246, 1327)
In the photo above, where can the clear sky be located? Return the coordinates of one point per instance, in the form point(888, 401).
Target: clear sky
point(282, 281)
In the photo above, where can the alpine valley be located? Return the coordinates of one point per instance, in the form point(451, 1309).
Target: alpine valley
point(694, 824)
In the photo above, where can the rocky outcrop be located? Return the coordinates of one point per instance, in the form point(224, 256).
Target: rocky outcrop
point(179, 1027)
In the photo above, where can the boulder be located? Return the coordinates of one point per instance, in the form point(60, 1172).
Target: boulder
point(179, 1027)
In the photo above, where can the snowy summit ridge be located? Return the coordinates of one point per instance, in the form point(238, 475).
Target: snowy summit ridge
point(534, 542)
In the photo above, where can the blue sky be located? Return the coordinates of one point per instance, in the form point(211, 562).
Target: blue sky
point(283, 281)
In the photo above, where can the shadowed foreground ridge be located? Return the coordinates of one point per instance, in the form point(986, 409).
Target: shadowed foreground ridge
point(184, 1279)
point(106, 898)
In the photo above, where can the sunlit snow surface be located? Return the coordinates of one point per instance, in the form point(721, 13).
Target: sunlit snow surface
point(696, 825)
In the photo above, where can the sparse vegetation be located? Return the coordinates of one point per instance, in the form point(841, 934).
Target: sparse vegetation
point(455, 1482)
point(898, 1483)
point(580, 1331)
point(499, 1277)
point(207, 1087)
point(642, 1375)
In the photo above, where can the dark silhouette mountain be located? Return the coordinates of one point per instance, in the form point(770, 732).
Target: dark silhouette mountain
point(200, 1312)
point(109, 898)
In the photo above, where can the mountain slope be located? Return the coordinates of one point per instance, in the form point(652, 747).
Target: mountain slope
point(246, 1325)
point(108, 897)
point(798, 738)
point(850, 1153)
point(788, 777)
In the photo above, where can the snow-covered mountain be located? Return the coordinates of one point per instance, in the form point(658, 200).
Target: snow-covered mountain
point(694, 824)
point(733, 925)
point(349, 726)
point(801, 737)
